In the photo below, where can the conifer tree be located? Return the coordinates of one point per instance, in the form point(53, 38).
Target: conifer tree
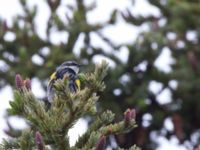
point(48, 127)
point(175, 29)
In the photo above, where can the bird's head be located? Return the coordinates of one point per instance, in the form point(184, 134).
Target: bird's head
point(70, 64)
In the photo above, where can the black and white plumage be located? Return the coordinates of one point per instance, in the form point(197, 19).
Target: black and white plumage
point(69, 70)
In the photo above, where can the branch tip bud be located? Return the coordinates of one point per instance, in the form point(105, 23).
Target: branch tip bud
point(39, 141)
point(27, 84)
point(19, 81)
point(129, 114)
point(101, 143)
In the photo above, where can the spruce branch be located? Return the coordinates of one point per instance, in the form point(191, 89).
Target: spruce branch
point(11, 131)
point(101, 143)
point(26, 140)
point(111, 129)
point(104, 119)
point(39, 141)
point(50, 127)
point(9, 144)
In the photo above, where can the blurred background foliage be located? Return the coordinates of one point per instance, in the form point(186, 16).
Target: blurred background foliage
point(176, 30)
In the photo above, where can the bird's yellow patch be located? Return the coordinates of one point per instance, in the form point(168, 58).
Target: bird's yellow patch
point(78, 83)
point(53, 76)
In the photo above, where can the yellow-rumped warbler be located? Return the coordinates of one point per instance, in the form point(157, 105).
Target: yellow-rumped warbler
point(68, 70)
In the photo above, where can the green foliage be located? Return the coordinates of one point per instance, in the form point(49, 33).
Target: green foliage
point(51, 127)
point(176, 29)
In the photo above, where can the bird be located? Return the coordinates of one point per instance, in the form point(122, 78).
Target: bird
point(67, 70)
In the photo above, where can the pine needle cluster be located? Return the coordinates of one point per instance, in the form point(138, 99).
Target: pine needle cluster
point(48, 127)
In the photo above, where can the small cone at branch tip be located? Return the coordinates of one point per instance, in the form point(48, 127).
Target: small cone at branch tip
point(101, 143)
point(39, 141)
point(19, 81)
point(27, 84)
point(129, 114)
